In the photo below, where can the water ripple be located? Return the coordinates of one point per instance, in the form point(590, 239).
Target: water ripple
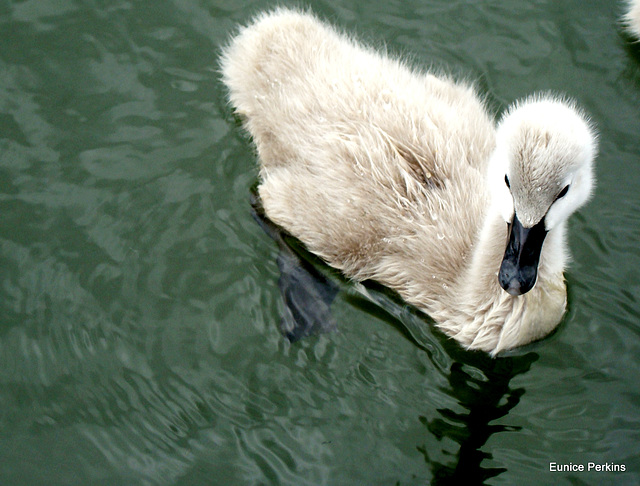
point(139, 306)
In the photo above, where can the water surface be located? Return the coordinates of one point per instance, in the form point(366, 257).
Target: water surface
point(139, 305)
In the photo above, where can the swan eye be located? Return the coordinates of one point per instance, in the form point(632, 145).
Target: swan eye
point(563, 192)
point(506, 181)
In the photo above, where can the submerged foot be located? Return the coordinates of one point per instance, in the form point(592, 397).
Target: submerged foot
point(307, 294)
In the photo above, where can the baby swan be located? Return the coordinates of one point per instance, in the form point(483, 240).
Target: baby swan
point(402, 177)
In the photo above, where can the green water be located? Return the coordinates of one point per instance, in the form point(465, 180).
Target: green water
point(139, 305)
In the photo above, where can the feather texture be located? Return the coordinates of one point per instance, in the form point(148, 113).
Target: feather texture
point(390, 173)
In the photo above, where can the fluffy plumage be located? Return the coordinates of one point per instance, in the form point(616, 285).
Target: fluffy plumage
point(631, 19)
point(393, 174)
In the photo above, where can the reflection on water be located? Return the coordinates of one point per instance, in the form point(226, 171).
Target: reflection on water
point(139, 299)
point(485, 397)
point(479, 386)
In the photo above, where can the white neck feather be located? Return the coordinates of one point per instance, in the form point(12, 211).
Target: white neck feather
point(496, 320)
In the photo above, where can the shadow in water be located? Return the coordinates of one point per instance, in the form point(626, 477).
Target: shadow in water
point(631, 46)
point(481, 386)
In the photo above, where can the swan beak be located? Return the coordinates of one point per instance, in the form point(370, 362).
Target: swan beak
point(519, 268)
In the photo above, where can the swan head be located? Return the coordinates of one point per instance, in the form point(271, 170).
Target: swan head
point(540, 173)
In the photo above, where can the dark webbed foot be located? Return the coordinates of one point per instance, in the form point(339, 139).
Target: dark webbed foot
point(307, 293)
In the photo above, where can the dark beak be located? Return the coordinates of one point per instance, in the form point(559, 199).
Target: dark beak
point(519, 268)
